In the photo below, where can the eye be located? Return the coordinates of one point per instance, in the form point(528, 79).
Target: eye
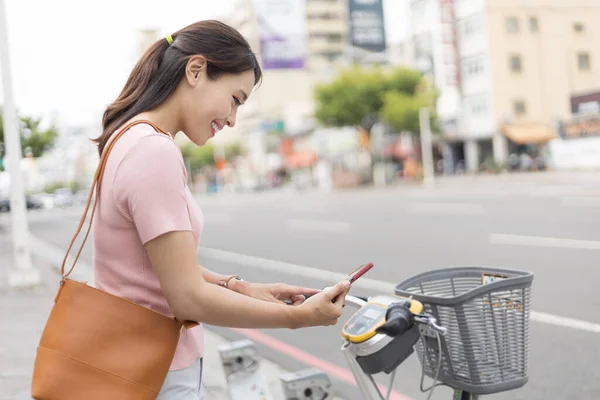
point(237, 101)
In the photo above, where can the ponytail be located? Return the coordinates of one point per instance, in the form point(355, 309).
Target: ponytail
point(127, 105)
point(157, 74)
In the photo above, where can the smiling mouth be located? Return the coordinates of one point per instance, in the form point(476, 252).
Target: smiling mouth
point(215, 128)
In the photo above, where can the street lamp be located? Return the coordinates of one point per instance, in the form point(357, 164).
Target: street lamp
point(24, 273)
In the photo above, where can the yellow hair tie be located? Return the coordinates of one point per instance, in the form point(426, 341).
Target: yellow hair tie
point(169, 39)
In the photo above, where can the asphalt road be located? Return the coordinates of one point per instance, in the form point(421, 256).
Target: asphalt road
point(547, 225)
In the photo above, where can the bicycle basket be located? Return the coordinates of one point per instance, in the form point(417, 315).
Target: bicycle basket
point(486, 312)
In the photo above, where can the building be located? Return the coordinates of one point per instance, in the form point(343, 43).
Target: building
point(327, 31)
point(287, 94)
point(506, 69)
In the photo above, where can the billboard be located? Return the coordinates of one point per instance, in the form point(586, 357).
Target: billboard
point(282, 31)
point(366, 25)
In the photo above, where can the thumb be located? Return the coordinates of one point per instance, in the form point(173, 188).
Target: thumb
point(334, 291)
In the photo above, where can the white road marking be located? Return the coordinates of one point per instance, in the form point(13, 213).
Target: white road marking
point(318, 225)
point(364, 283)
point(445, 208)
point(565, 322)
point(83, 271)
point(541, 241)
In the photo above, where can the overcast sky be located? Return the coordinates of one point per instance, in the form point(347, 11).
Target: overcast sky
point(71, 57)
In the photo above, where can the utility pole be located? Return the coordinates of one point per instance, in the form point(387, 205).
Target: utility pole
point(23, 274)
point(426, 147)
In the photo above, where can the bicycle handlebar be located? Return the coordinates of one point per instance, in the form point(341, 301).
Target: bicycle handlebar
point(399, 318)
point(355, 301)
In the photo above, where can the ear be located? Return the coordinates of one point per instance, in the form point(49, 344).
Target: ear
point(195, 67)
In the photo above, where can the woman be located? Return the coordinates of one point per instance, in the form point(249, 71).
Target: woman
point(148, 226)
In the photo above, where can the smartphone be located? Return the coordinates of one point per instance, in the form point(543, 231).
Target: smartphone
point(354, 275)
point(360, 271)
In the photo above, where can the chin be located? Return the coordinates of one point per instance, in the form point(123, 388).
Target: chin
point(199, 140)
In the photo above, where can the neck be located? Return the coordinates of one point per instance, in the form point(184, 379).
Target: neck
point(165, 116)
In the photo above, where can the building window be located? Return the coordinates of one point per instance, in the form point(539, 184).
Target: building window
point(533, 24)
point(330, 55)
point(324, 16)
point(578, 27)
point(470, 26)
point(473, 66)
point(512, 25)
point(583, 59)
point(515, 63)
point(330, 37)
point(478, 107)
point(520, 108)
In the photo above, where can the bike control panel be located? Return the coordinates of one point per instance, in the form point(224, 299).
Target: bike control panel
point(364, 322)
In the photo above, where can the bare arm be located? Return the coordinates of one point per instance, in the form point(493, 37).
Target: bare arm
point(191, 297)
point(154, 197)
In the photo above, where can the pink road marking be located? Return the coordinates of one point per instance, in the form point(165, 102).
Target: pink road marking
point(332, 370)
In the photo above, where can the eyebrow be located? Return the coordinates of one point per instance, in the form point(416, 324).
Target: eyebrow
point(244, 95)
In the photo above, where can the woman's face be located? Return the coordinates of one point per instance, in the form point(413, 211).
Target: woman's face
point(210, 105)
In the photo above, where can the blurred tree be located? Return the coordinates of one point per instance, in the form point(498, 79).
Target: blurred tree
point(33, 138)
point(36, 140)
point(361, 96)
point(197, 157)
point(355, 94)
point(401, 111)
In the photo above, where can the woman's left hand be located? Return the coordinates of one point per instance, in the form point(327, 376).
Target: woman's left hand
point(273, 292)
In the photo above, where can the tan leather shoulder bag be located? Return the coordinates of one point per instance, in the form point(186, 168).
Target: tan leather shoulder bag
point(97, 346)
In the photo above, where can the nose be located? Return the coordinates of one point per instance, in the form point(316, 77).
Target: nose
point(230, 120)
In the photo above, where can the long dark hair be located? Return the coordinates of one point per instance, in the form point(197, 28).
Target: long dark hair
point(161, 68)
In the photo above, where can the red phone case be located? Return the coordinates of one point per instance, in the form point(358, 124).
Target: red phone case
point(360, 271)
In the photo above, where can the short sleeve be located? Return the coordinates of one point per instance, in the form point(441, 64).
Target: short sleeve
point(150, 187)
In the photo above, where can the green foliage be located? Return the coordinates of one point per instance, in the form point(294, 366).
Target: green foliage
point(73, 186)
point(197, 157)
point(358, 93)
point(401, 111)
point(34, 140)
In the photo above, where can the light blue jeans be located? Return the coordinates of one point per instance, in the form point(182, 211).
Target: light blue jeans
point(183, 384)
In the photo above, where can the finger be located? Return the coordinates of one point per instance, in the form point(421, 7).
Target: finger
point(274, 299)
point(341, 298)
point(298, 290)
point(340, 289)
point(298, 302)
point(298, 299)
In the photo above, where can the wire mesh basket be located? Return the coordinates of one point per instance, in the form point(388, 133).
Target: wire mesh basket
point(486, 312)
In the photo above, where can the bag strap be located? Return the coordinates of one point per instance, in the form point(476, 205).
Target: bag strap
point(96, 185)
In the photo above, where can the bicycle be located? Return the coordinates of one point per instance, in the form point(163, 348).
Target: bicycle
point(469, 325)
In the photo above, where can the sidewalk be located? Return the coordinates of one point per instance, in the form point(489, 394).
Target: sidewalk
point(23, 313)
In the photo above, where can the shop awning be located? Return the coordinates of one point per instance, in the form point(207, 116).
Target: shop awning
point(529, 133)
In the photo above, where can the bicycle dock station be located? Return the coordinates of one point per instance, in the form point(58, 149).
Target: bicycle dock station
point(469, 327)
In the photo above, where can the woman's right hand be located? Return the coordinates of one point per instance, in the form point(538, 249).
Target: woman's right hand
point(320, 309)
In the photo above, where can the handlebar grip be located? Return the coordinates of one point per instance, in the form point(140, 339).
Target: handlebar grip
point(398, 318)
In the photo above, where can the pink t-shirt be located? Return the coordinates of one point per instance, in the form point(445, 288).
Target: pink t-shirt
point(144, 194)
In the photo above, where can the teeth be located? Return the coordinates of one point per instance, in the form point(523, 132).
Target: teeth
point(215, 127)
